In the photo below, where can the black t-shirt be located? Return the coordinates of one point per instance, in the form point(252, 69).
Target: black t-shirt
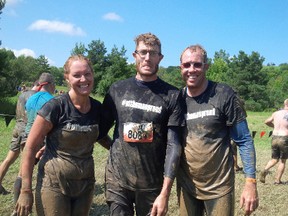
point(142, 112)
point(67, 162)
point(206, 167)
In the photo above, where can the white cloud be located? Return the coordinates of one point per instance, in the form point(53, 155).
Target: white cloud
point(9, 7)
point(112, 17)
point(28, 52)
point(56, 26)
point(25, 52)
point(13, 2)
point(11, 12)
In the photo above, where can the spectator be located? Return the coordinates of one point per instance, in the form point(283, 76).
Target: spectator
point(18, 136)
point(45, 89)
point(279, 122)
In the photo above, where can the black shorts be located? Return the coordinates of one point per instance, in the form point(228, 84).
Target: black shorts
point(122, 201)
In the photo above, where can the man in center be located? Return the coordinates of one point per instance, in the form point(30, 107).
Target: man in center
point(146, 145)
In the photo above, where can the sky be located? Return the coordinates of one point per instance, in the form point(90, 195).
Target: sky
point(52, 28)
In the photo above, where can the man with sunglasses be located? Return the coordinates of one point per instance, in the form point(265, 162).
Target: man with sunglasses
point(214, 114)
point(146, 145)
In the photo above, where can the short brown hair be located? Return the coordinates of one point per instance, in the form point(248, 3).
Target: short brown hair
point(46, 78)
point(194, 48)
point(148, 39)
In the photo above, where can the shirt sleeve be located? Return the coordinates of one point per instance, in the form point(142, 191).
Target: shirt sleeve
point(177, 114)
point(242, 137)
point(108, 113)
point(173, 152)
point(234, 110)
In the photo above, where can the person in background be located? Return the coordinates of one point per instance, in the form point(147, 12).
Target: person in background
point(44, 93)
point(279, 122)
point(146, 145)
point(70, 123)
point(45, 89)
point(214, 115)
point(23, 88)
point(18, 136)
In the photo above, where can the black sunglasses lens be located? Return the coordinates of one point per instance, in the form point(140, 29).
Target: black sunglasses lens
point(186, 65)
point(198, 65)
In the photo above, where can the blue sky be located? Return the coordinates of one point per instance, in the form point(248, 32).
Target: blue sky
point(52, 28)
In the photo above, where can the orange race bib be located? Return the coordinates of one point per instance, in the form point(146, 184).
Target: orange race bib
point(138, 132)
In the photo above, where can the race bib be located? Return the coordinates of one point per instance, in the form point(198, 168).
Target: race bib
point(138, 132)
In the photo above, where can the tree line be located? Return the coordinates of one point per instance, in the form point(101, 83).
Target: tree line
point(262, 87)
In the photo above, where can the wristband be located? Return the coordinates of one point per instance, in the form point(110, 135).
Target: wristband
point(252, 180)
point(26, 190)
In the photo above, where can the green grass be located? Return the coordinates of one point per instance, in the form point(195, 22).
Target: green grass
point(273, 198)
point(8, 105)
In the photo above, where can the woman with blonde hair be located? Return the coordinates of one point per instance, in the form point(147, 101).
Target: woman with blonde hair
point(70, 123)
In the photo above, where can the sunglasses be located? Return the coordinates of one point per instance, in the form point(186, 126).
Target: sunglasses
point(196, 65)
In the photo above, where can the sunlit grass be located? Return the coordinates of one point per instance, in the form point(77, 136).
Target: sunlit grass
point(272, 198)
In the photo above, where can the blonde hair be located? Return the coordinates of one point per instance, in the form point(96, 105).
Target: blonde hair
point(73, 58)
point(195, 48)
point(286, 102)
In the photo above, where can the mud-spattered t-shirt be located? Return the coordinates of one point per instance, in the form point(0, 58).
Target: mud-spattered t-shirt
point(142, 113)
point(20, 108)
point(206, 166)
point(21, 117)
point(67, 163)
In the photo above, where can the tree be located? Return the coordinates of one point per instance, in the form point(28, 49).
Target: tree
point(115, 70)
point(172, 75)
point(2, 5)
point(277, 85)
point(222, 55)
point(218, 69)
point(79, 49)
point(97, 55)
point(43, 65)
point(23, 70)
point(245, 76)
point(7, 87)
point(58, 74)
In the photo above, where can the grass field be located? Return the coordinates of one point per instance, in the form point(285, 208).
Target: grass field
point(273, 199)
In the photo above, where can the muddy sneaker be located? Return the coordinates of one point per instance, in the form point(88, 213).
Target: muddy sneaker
point(3, 191)
point(280, 183)
point(262, 176)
